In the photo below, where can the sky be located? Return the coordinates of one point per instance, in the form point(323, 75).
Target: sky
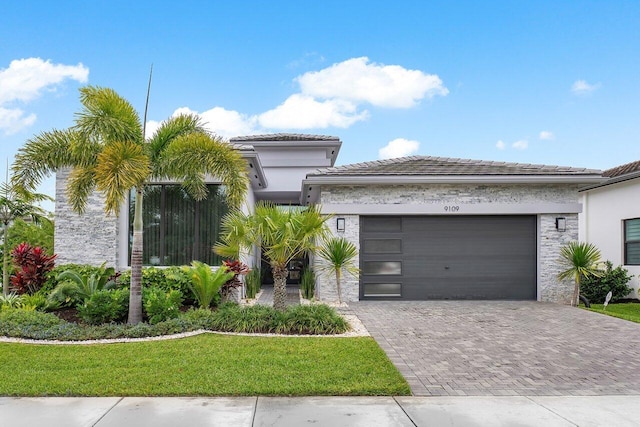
point(551, 82)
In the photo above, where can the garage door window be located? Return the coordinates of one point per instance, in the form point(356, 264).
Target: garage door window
point(382, 268)
point(383, 246)
point(382, 290)
point(632, 241)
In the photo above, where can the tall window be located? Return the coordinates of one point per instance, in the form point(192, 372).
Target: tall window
point(178, 229)
point(632, 241)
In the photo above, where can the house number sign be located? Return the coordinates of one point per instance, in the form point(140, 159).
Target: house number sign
point(451, 208)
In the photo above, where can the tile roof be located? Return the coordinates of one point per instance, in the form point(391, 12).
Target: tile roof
point(622, 169)
point(284, 137)
point(428, 165)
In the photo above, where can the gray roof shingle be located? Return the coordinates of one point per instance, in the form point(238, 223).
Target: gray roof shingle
point(438, 166)
point(622, 169)
point(284, 137)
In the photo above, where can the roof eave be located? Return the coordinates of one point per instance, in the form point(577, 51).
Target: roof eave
point(614, 180)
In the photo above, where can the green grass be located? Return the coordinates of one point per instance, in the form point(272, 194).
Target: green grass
point(204, 365)
point(628, 311)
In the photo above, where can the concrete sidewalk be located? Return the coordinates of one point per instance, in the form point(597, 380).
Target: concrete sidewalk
point(548, 411)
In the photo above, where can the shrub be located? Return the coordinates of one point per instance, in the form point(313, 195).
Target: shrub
point(595, 289)
point(37, 301)
point(205, 284)
point(32, 265)
point(314, 319)
point(83, 270)
point(170, 278)
point(24, 323)
point(11, 300)
point(159, 305)
point(308, 283)
point(105, 306)
point(252, 282)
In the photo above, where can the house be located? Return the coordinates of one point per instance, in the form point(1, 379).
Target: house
point(610, 218)
point(425, 227)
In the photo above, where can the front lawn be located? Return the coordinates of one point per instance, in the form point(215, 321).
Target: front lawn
point(628, 311)
point(204, 365)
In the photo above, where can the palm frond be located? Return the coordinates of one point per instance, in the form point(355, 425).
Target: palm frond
point(168, 131)
point(108, 115)
point(121, 166)
point(41, 156)
point(190, 156)
point(80, 184)
point(580, 260)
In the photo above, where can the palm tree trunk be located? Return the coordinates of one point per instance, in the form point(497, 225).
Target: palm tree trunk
point(279, 286)
point(135, 290)
point(338, 286)
point(576, 293)
point(5, 261)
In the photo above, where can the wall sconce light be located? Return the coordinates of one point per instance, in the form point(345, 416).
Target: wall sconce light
point(561, 223)
point(340, 224)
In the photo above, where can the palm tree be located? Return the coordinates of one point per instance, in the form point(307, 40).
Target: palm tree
point(283, 233)
point(15, 203)
point(107, 151)
point(580, 260)
point(339, 255)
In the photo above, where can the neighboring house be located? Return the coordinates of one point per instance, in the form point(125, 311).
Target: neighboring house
point(610, 218)
point(425, 227)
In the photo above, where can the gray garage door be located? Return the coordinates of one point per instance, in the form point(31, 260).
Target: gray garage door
point(452, 257)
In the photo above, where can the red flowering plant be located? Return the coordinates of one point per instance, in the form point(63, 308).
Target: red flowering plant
point(32, 265)
point(238, 268)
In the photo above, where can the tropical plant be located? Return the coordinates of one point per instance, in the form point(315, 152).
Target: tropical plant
point(107, 151)
point(238, 268)
point(613, 280)
point(308, 283)
point(32, 265)
point(206, 283)
point(579, 260)
point(15, 203)
point(283, 233)
point(11, 300)
point(253, 282)
point(74, 287)
point(160, 305)
point(339, 255)
point(105, 306)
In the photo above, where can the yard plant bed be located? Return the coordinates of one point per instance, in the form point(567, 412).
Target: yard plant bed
point(628, 310)
point(204, 365)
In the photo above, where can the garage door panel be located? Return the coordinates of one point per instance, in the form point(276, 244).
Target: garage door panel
point(461, 257)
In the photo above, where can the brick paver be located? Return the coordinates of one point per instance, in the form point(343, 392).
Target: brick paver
point(502, 348)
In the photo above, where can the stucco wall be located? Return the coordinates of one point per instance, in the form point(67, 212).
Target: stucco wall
point(601, 222)
point(549, 239)
point(90, 238)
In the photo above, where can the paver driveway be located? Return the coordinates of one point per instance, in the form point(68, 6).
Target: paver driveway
point(505, 347)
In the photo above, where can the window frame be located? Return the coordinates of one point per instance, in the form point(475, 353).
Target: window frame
point(626, 242)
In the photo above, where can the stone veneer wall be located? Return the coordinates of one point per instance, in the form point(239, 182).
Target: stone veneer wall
point(549, 239)
point(90, 238)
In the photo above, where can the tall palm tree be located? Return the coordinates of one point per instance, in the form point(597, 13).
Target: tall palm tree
point(339, 255)
point(580, 260)
point(283, 234)
point(107, 151)
point(15, 203)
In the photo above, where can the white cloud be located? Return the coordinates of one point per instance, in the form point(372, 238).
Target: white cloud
point(222, 122)
point(546, 135)
point(12, 120)
point(399, 147)
point(500, 145)
point(581, 87)
point(305, 112)
point(521, 144)
point(358, 80)
point(25, 80)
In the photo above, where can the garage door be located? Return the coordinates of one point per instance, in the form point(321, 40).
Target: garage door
point(452, 257)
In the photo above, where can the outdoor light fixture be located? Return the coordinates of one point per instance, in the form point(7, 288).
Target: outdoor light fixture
point(561, 223)
point(340, 224)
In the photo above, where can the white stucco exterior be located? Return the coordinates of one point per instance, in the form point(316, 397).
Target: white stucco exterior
point(602, 221)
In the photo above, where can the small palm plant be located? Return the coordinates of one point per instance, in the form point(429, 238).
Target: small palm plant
point(339, 255)
point(580, 260)
point(206, 283)
point(74, 288)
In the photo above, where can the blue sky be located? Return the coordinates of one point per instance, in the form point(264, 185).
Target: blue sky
point(553, 82)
